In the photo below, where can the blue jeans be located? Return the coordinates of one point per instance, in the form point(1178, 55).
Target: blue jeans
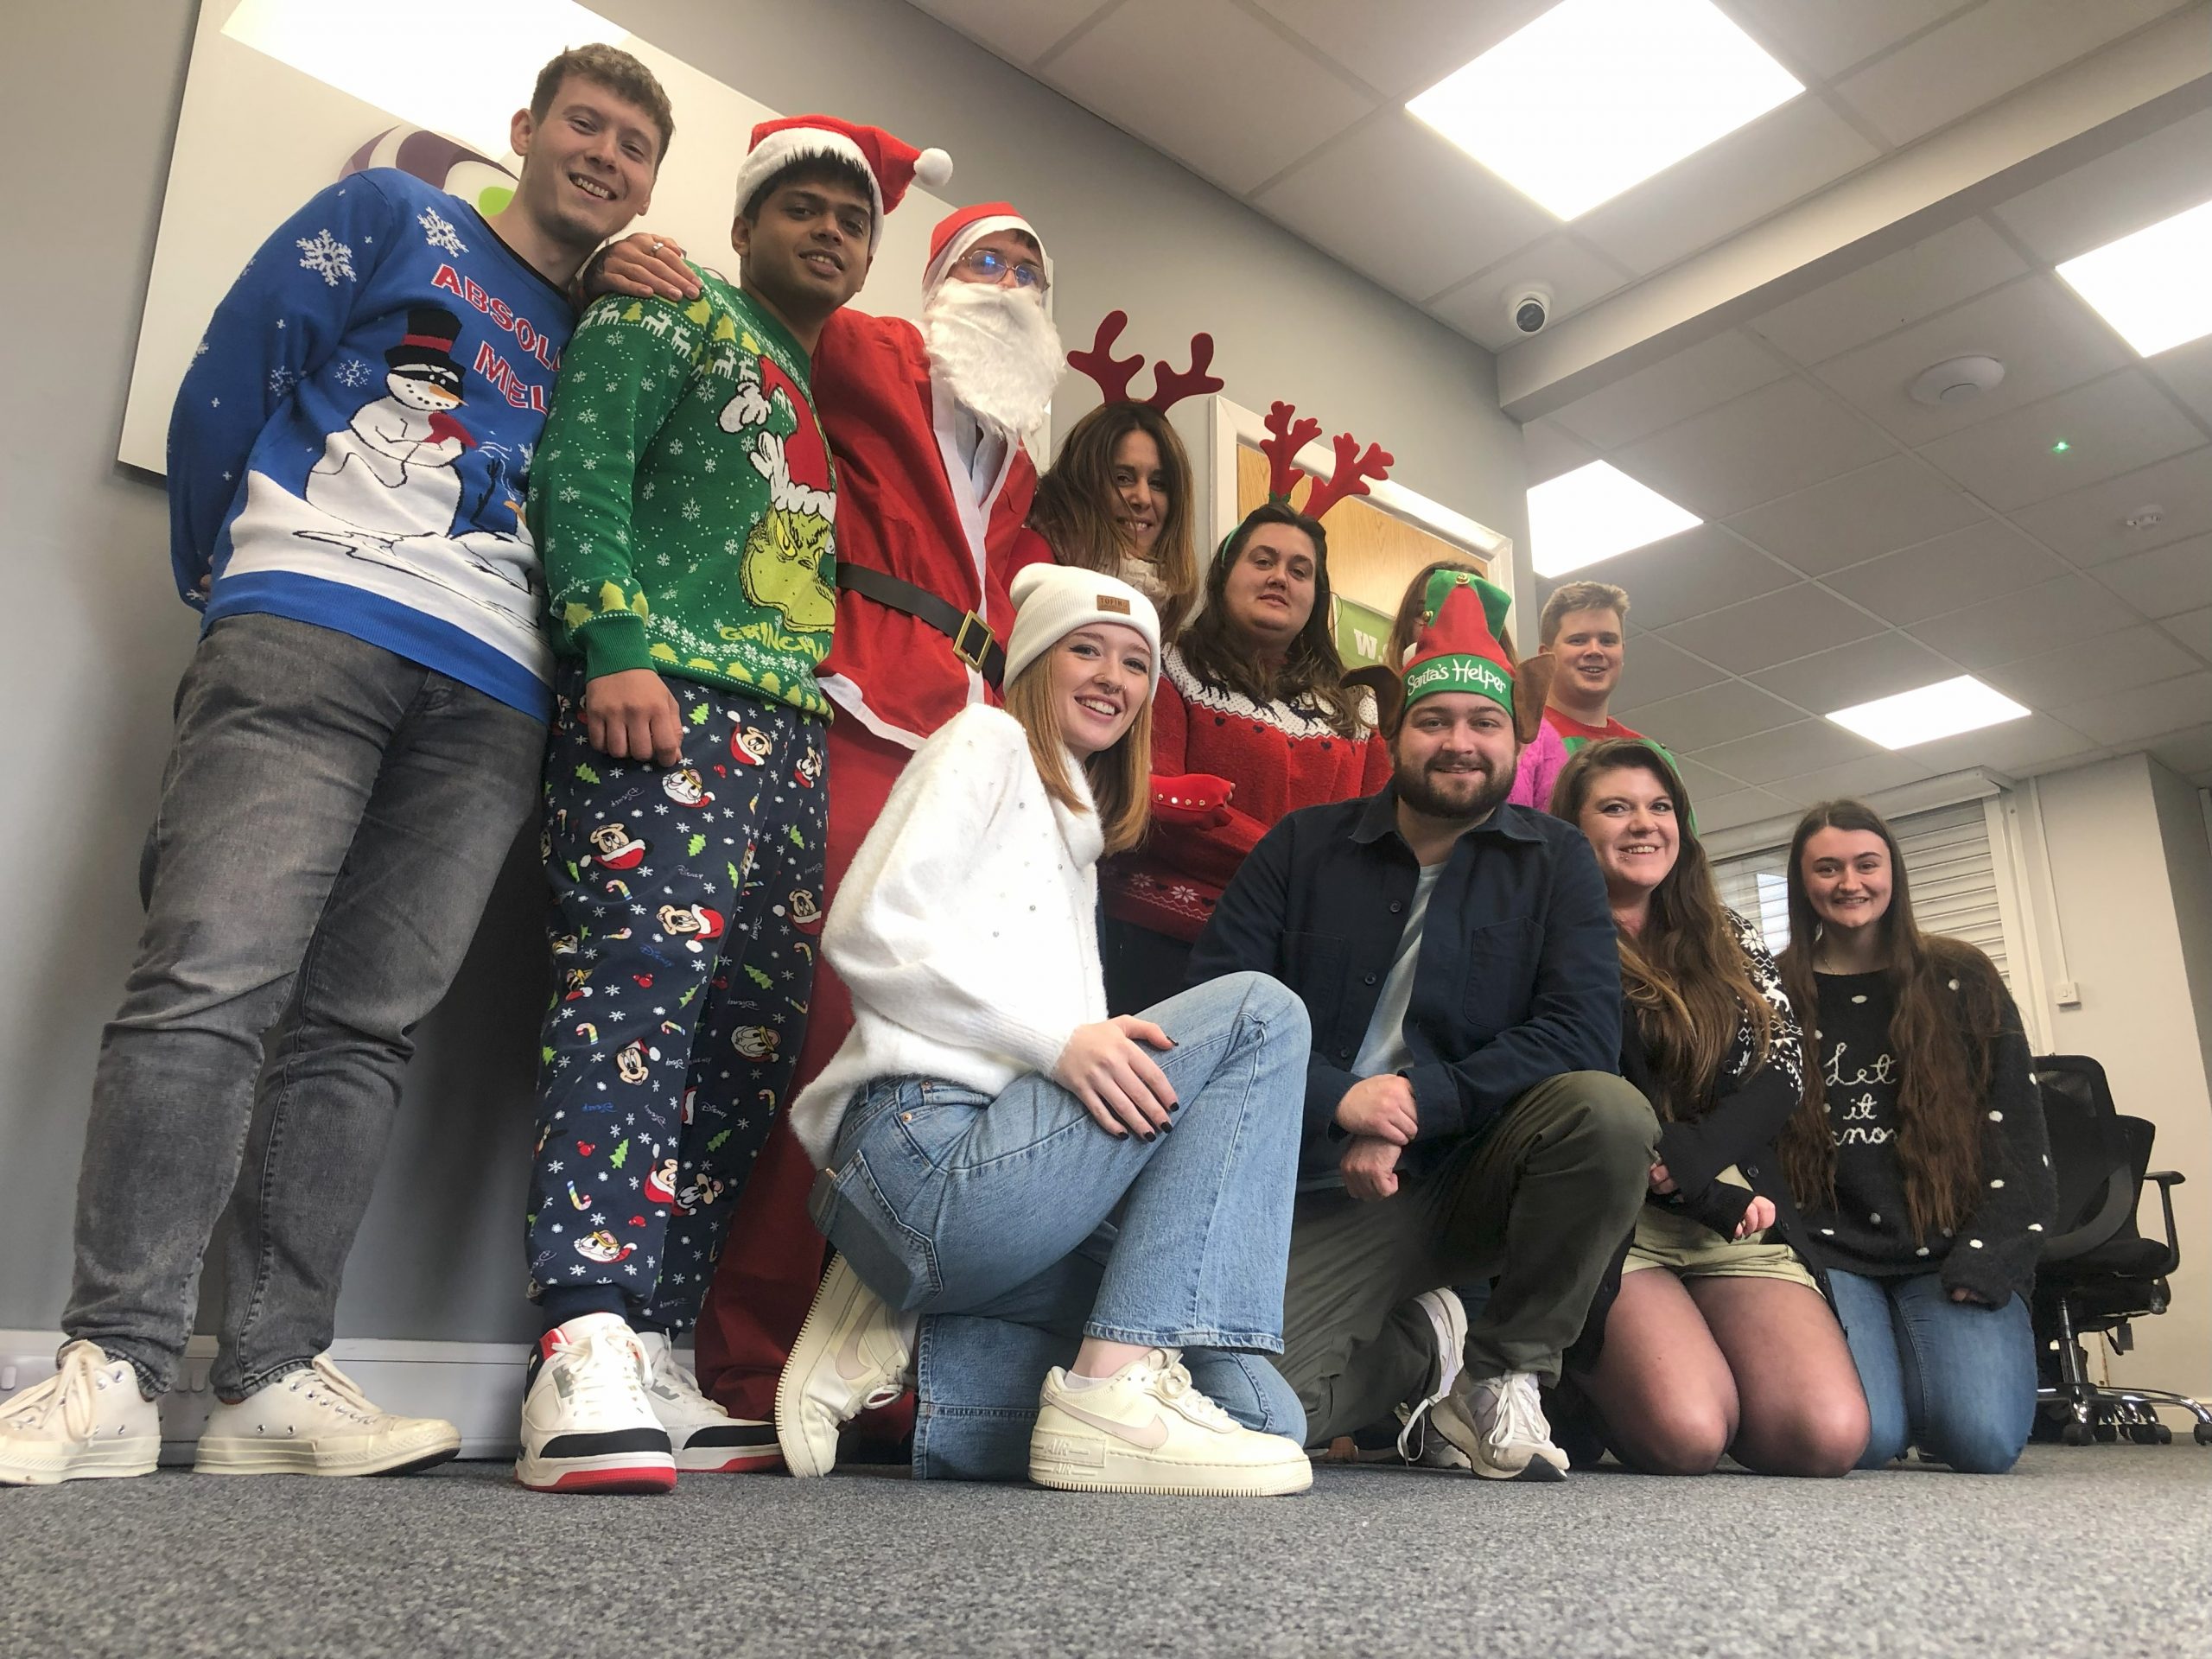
point(1955, 1379)
point(1016, 1226)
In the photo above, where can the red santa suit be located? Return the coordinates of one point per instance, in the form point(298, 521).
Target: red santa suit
point(909, 508)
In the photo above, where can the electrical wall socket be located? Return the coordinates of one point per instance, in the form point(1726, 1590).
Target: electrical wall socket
point(2067, 993)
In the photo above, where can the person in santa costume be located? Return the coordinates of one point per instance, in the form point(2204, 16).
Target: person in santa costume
point(934, 486)
point(684, 502)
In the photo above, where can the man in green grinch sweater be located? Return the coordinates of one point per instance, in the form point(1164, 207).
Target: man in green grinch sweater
point(683, 501)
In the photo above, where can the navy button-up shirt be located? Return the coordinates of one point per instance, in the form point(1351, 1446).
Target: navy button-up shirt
point(1518, 977)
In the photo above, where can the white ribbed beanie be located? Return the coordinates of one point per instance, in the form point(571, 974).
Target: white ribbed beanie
point(1052, 601)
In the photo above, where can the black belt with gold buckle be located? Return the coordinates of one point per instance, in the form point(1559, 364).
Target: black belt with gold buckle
point(973, 642)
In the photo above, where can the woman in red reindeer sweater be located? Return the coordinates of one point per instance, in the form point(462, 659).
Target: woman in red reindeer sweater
point(1253, 719)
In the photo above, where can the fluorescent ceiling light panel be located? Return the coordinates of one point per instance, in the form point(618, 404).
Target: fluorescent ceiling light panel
point(1594, 513)
point(1943, 709)
point(2154, 287)
point(424, 60)
point(1597, 95)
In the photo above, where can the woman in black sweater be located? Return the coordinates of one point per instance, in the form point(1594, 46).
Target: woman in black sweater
point(1718, 1340)
point(1919, 1154)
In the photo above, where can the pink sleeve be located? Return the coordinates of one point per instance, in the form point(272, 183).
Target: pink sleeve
point(1541, 758)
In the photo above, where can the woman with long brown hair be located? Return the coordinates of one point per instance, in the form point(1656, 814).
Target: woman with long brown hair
point(984, 1118)
point(1118, 499)
point(1919, 1153)
point(1253, 720)
point(1718, 1340)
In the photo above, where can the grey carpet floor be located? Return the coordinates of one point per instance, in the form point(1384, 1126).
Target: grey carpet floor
point(2102, 1551)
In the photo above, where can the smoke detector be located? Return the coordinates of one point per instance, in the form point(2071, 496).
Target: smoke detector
point(1958, 380)
point(2145, 517)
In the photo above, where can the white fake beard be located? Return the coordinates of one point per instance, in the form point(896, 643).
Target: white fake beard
point(996, 351)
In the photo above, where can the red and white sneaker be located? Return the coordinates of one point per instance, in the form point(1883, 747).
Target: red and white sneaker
point(587, 1422)
point(706, 1439)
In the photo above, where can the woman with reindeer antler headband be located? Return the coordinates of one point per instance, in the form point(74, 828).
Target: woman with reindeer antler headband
point(1119, 498)
point(1253, 720)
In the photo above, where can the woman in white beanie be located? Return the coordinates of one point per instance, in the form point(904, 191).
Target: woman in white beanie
point(985, 1119)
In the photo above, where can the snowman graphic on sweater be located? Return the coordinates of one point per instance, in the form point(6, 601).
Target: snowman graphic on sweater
point(391, 469)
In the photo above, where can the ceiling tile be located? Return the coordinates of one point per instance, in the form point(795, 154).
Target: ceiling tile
point(1829, 39)
point(1682, 576)
point(1773, 628)
point(1756, 170)
point(1981, 55)
point(1913, 282)
point(2117, 193)
point(2113, 425)
point(1787, 751)
point(2060, 680)
point(1403, 46)
point(1698, 719)
point(2144, 711)
point(1948, 573)
point(2006, 628)
point(1233, 100)
point(1741, 807)
point(1547, 450)
point(1577, 276)
point(2187, 370)
point(2166, 580)
point(2192, 629)
point(1654, 669)
point(1774, 441)
point(2023, 746)
point(2188, 752)
point(2046, 338)
point(1394, 200)
point(1702, 781)
point(1020, 34)
point(2089, 526)
point(1856, 673)
point(1852, 781)
point(1893, 503)
point(1700, 377)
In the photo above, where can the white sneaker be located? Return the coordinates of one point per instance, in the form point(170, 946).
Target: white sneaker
point(87, 1422)
point(706, 1439)
point(588, 1422)
point(853, 1352)
point(1447, 1320)
point(1147, 1429)
point(1499, 1421)
point(316, 1422)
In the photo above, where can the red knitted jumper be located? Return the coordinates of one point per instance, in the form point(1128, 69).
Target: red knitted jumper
point(1279, 757)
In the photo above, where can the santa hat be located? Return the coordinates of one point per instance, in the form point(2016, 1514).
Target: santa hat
point(711, 922)
point(889, 164)
point(961, 229)
point(1456, 648)
point(1052, 601)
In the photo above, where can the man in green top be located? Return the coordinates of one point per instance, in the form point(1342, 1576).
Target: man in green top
point(683, 501)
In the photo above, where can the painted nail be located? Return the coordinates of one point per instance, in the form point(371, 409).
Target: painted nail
point(1148, 1138)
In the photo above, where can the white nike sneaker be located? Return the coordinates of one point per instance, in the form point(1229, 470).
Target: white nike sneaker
point(853, 1352)
point(588, 1422)
point(1499, 1421)
point(1147, 1429)
point(317, 1421)
point(706, 1439)
point(1447, 1320)
point(87, 1422)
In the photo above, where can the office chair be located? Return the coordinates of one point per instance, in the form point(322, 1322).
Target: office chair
point(2101, 1273)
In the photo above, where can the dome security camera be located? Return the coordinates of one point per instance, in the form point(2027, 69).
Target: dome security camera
point(1530, 306)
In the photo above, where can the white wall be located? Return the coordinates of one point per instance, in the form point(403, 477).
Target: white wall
point(97, 638)
point(2127, 915)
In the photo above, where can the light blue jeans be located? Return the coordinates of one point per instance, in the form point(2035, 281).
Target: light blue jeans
point(1955, 1379)
point(1016, 1226)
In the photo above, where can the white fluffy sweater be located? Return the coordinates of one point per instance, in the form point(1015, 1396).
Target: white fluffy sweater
point(966, 928)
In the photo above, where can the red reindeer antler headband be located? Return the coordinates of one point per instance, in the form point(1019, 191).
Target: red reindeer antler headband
point(1113, 374)
point(1354, 471)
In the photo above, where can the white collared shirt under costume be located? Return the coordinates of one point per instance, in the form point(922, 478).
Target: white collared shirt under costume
point(966, 929)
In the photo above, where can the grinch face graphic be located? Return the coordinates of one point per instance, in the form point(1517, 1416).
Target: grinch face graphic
point(783, 569)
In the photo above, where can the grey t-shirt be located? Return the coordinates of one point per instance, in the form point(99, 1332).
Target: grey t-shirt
point(1384, 1048)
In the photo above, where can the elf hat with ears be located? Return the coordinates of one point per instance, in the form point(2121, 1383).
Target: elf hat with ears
point(1456, 649)
point(890, 164)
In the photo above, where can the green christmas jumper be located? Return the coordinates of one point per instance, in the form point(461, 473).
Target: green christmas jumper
point(682, 498)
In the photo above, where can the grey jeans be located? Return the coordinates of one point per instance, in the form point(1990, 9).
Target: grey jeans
point(331, 819)
point(1543, 1202)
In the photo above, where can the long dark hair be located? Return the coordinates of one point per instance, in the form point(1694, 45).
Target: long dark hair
point(1074, 506)
point(1312, 670)
point(1950, 1008)
point(1685, 973)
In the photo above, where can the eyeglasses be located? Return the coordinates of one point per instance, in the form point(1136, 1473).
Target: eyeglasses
point(992, 266)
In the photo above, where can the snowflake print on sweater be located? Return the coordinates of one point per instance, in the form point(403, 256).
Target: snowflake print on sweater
point(326, 256)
